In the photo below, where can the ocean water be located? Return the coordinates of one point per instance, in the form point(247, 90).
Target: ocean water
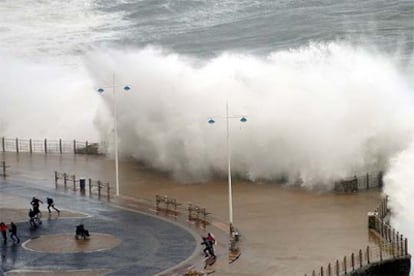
point(327, 86)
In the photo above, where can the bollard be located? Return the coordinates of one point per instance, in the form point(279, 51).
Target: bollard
point(368, 259)
point(3, 144)
point(30, 146)
point(60, 146)
point(82, 184)
point(360, 258)
point(17, 145)
point(45, 146)
point(329, 270)
point(90, 187)
point(371, 220)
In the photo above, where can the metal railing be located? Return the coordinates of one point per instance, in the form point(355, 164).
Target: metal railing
point(95, 187)
point(358, 183)
point(390, 245)
point(49, 146)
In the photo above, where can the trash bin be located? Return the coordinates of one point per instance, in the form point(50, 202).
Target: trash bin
point(82, 184)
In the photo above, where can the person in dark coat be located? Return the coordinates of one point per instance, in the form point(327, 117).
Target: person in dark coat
point(3, 230)
point(13, 232)
point(36, 205)
point(50, 203)
point(81, 232)
point(208, 247)
point(34, 218)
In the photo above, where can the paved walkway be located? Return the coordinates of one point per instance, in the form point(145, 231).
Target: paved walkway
point(147, 245)
point(285, 230)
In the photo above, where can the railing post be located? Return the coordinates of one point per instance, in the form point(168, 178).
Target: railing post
point(65, 177)
point(3, 163)
point(74, 146)
point(360, 258)
point(329, 270)
point(90, 186)
point(30, 146)
point(401, 245)
point(380, 183)
point(3, 144)
point(45, 146)
point(367, 181)
point(108, 191)
point(406, 247)
point(99, 188)
point(56, 179)
point(17, 145)
point(60, 146)
point(397, 241)
point(368, 257)
point(345, 268)
point(74, 182)
point(380, 252)
point(353, 261)
point(337, 267)
point(321, 270)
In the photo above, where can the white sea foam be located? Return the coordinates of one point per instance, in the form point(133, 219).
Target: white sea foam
point(316, 113)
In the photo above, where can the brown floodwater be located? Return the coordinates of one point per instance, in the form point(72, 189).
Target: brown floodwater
point(285, 230)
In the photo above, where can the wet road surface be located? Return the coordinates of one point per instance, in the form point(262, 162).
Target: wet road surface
point(285, 230)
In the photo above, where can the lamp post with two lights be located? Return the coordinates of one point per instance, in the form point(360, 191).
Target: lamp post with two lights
point(102, 90)
point(242, 119)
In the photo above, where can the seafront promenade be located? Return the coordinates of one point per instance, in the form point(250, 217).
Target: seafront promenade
point(284, 230)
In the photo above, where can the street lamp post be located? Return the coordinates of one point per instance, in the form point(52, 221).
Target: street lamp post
point(101, 90)
point(243, 119)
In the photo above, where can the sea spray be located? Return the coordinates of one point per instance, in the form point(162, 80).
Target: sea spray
point(315, 114)
point(399, 187)
point(46, 101)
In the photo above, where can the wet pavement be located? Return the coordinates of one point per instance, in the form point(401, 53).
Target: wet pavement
point(148, 246)
point(284, 230)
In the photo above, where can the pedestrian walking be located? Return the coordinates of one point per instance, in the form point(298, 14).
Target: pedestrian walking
point(208, 247)
point(36, 205)
point(211, 238)
point(13, 233)
point(3, 230)
point(51, 204)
